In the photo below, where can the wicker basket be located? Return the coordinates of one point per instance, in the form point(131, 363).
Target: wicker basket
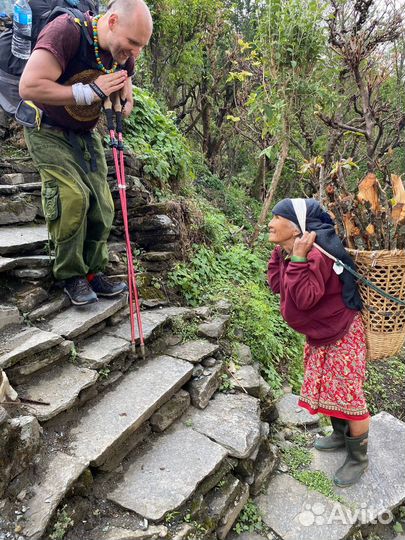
point(384, 320)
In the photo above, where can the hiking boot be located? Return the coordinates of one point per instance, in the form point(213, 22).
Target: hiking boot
point(356, 462)
point(103, 286)
point(336, 440)
point(79, 291)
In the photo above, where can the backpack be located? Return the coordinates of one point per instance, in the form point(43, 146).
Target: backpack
point(11, 68)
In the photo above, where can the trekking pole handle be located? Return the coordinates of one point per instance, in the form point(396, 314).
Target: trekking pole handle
point(108, 109)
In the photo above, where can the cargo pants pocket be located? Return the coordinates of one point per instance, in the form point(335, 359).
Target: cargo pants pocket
point(50, 201)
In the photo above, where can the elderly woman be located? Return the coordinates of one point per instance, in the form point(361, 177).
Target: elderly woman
point(325, 307)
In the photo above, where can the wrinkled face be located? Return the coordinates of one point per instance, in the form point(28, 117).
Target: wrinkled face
point(127, 38)
point(281, 230)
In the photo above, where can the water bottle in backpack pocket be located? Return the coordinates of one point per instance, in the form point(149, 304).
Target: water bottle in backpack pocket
point(22, 29)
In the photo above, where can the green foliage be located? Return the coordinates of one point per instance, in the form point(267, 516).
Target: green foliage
point(62, 524)
point(273, 343)
point(227, 383)
point(237, 273)
point(230, 196)
point(297, 457)
point(186, 329)
point(104, 373)
point(210, 272)
point(156, 140)
point(318, 481)
point(250, 519)
point(383, 386)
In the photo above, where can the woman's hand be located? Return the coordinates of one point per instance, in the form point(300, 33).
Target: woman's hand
point(303, 245)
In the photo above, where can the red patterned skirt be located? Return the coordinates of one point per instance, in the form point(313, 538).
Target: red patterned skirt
point(334, 375)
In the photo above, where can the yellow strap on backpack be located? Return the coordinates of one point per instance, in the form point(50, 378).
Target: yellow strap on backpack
point(38, 114)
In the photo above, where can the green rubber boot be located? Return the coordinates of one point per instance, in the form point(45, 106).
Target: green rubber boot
point(356, 462)
point(336, 440)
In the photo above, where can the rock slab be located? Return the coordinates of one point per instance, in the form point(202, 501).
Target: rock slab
point(58, 477)
point(22, 239)
point(289, 412)
point(194, 351)
point(232, 420)
point(98, 351)
point(382, 486)
point(152, 320)
point(123, 410)
point(164, 476)
point(72, 322)
point(24, 342)
point(59, 386)
point(294, 512)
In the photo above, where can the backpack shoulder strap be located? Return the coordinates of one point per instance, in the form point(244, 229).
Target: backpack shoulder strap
point(77, 16)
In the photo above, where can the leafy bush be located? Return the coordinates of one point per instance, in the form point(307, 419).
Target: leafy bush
point(273, 343)
point(155, 139)
point(235, 272)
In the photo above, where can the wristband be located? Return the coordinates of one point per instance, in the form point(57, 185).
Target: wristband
point(83, 94)
point(297, 259)
point(97, 90)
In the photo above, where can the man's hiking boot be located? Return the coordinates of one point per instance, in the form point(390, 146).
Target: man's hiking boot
point(103, 286)
point(79, 291)
point(336, 440)
point(356, 462)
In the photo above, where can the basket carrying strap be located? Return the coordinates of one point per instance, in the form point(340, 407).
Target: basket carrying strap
point(361, 278)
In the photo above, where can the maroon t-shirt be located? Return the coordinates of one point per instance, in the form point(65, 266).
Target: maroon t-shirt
point(62, 38)
point(310, 296)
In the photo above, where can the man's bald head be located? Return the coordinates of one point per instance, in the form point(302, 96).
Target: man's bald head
point(126, 8)
point(126, 27)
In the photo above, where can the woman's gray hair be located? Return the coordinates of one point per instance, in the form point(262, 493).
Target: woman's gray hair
point(295, 225)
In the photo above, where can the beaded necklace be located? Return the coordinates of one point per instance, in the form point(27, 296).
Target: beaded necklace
point(100, 65)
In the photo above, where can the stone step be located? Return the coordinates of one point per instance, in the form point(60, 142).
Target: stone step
point(60, 387)
point(194, 351)
point(152, 321)
point(9, 315)
point(53, 482)
point(18, 342)
point(123, 410)
point(40, 361)
point(77, 320)
point(30, 261)
point(290, 413)
point(382, 486)
point(102, 428)
point(17, 179)
point(232, 420)
point(99, 350)
point(164, 475)
point(22, 239)
point(295, 512)
point(21, 208)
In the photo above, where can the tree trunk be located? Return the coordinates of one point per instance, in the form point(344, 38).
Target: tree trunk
point(259, 181)
point(274, 183)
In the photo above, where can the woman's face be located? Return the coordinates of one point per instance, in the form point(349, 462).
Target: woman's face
point(281, 230)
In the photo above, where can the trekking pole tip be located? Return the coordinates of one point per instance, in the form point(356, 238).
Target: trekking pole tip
point(142, 348)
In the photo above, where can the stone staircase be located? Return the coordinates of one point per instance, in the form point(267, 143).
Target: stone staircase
point(91, 409)
point(108, 446)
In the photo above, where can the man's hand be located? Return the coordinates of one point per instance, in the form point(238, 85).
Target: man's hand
point(112, 82)
point(127, 96)
point(303, 245)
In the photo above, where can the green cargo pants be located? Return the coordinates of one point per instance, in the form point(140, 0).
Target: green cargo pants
point(78, 206)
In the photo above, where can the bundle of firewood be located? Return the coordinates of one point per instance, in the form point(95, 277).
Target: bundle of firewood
point(372, 219)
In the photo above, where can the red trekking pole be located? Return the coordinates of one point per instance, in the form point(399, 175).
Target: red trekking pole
point(117, 146)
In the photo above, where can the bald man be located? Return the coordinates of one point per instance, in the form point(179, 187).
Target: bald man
point(67, 76)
